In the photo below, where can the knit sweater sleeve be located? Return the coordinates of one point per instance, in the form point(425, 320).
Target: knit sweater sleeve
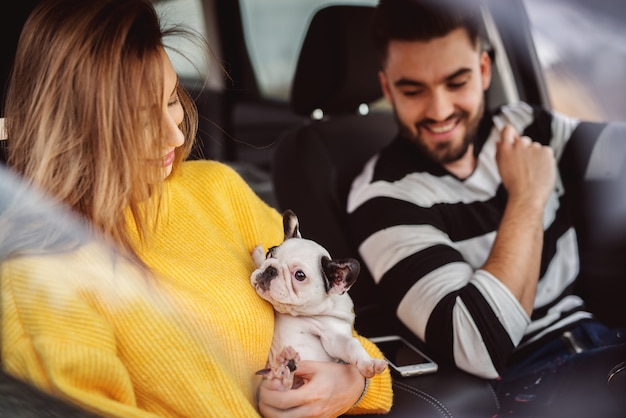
point(101, 336)
point(44, 340)
point(378, 395)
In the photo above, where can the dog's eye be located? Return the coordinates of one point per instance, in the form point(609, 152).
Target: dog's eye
point(300, 276)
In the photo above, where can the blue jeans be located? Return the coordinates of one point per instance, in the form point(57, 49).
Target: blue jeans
point(557, 381)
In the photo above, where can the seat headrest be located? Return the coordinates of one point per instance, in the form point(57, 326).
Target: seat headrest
point(338, 65)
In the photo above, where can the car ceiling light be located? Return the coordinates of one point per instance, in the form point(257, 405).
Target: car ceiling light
point(317, 114)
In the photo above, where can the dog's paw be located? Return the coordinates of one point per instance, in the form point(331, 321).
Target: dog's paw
point(281, 371)
point(288, 357)
point(258, 255)
point(372, 367)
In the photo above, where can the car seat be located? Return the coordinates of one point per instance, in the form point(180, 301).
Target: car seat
point(336, 82)
point(314, 164)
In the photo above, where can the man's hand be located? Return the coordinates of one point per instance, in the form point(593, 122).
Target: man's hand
point(527, 168)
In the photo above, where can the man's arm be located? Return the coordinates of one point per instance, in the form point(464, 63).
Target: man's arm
point(428, 248)
point(528, 172)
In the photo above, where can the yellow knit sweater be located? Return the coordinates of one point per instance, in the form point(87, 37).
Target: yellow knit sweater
point(182, 341)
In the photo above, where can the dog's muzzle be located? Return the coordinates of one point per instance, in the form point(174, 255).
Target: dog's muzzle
point(264, 278)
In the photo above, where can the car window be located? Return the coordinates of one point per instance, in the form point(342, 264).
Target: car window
point(274, 31)
point(189, 13)
point(581, 49)
point(190, 58)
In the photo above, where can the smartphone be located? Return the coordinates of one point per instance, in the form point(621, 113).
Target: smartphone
point(404, 358)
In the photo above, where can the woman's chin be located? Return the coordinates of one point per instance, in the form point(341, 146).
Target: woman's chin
point(167, 170)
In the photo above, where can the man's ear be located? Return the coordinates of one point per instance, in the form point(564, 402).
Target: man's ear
point(485, 69)
point(291, 225)
point(384, 86)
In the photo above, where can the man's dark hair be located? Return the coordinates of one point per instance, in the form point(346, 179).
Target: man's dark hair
point(423, 20)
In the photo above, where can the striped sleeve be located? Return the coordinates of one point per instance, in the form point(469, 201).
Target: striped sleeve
point(436, 292)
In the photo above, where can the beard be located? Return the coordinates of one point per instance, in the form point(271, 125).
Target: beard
point(443, 153)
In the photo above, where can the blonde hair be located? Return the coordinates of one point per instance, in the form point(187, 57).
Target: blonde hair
point(84, 110)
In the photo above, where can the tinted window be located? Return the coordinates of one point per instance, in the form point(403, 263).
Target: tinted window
point(582, 51)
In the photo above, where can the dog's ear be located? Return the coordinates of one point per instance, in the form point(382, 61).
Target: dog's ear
point(340, 274)
point(291, 225)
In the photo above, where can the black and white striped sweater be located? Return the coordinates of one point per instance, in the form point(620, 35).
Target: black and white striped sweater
point(424, 235)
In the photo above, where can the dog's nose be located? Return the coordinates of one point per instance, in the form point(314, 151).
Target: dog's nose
point(264, 278)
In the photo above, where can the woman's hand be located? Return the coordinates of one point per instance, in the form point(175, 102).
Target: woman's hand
point(329, 390)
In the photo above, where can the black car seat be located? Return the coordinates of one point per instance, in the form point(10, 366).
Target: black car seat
point(315, 163)
point(336, 82)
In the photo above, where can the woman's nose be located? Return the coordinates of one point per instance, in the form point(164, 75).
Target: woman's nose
point(175, 137)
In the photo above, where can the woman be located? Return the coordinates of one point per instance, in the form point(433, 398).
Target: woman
point(96, 118)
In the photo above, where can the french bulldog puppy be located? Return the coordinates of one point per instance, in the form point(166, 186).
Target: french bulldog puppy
point(314, 313)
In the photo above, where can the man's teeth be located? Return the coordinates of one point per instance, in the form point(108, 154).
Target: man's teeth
point(442, 129)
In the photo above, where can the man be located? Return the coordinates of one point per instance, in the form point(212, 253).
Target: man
point(466, 220)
